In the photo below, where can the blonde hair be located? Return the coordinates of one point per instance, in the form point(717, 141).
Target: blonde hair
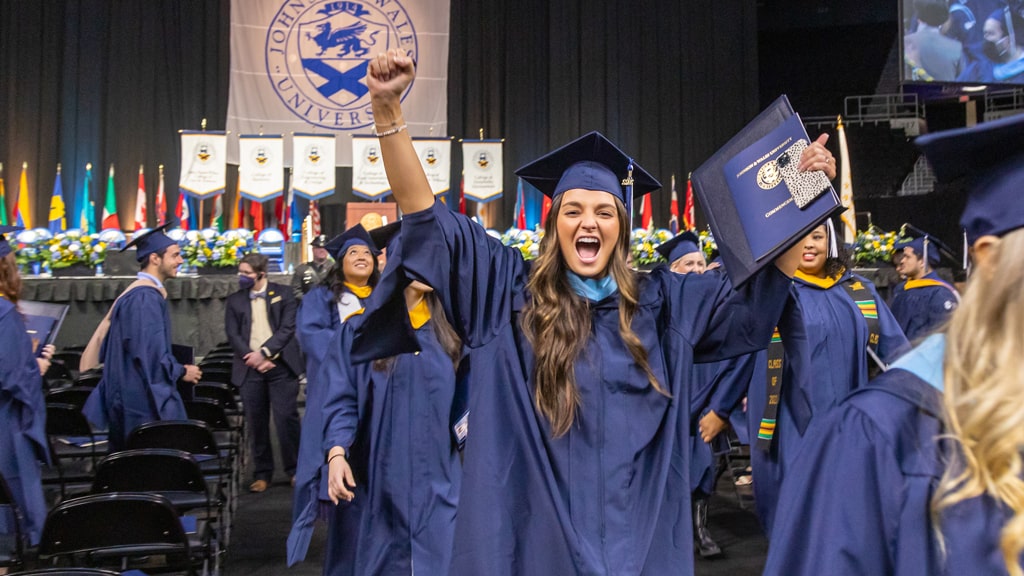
point(984, 396)
point(557, 322)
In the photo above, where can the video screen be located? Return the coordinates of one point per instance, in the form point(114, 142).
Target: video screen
point(963, 41)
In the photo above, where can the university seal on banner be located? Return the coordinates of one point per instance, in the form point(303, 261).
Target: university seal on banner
point(317, 54)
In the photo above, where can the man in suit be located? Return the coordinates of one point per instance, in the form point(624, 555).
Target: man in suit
point(260, 325)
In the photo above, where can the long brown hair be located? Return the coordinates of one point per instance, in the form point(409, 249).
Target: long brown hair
point(10, 280)
point(557, 322)
point(446, 336)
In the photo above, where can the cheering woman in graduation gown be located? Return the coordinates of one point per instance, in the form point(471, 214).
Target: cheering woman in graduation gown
point(920, 472)
point(577, 456)
point(839, 316)
point(23, 441)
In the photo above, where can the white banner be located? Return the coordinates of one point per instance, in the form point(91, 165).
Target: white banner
point(203, 163)
point(296, 64)
point(313, 164)
point(260, 166)
point(482, 169)
point(368, 177)
point(436, 157)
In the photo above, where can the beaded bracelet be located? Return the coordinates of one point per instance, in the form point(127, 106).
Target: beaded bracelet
point(388, 132)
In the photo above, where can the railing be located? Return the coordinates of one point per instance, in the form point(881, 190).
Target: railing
point(921, 179)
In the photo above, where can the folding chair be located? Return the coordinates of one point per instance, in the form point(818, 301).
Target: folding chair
point(121, 529)
point(74, 395)
point(75, 449)
point(12, 539)
point(90, 378)
point(70, 358)
point(173, 474)
point(69, 572)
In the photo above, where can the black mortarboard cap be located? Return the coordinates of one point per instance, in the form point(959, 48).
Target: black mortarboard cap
point(5, 246)
point(351, 237)
point(383, 236)
point(319, 241)
point(991, 157)
point(590, 162)
point(923, 244)
point(680, 246)
point(151, 242)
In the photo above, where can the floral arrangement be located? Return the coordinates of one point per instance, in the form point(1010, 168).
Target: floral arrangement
point(526, 241)
point(73, 247)
point(874, 245)
point(708, 244)
point(209, 248)
point(642, 243)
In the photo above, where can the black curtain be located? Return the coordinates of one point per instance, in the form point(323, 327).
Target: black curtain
point(105, 81)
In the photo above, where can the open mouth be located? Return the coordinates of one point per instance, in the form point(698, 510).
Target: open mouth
point(587, 248)
point(810, 256)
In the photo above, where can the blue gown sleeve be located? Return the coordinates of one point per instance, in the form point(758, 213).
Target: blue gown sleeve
point(21, 383)
point(731, 384)
point(476, 276)
point(341, 398)
point(840, 501)
point(151, 350)
point(316, 322)
point(892, 343)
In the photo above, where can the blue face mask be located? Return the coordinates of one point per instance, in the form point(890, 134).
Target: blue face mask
point(246, 282)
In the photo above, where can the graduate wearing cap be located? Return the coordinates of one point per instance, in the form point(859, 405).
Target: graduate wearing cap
point(683, 254)
point(311, 273)
point(23, 444)
point(577, 460)
point(920, 472)
point(923, 301)
point(140, 374)
point(837, 327)
point(402, 443)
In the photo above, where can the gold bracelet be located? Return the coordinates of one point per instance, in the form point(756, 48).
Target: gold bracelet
point(388, 132)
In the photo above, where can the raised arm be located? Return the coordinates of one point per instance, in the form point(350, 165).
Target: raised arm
point(388, 75)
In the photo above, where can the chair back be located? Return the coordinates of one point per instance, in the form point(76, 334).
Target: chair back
point(220, 393)
point(74, 395)
point(63, 419)
point(209, 411)
point(148, 470)
point(90, 378)
point(190, 436)
point(12, 539)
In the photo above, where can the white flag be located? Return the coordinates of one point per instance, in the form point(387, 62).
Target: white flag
point(436, 158)
point(313, 164)
point(296, 64)
point(203, 164)
point(849, 216)
point(260, 166)
point(369, 180)
point(482, 169)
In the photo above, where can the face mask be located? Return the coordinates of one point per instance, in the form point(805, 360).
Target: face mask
point(992, 50)
point(246, 283)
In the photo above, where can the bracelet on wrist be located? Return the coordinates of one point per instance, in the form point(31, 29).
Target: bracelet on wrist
point(341, 454)
point(380, 134)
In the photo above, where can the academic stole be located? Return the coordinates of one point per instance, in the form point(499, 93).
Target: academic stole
point(766, 431)
point(865, 302)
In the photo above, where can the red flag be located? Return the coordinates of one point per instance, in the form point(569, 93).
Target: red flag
point(140, 203)
point(545, 207)
point(256, 209)
point(314, 218)
point(239, 220)
point(689, 221)
point(281, 214)
point(646, 216)
point(181, 211)
point(462, 194)
point(520, 206)
point(673, 221)
point(161, 200)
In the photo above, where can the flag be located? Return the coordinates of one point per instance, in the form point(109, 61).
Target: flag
point(140, 202)
point(462, 194)
point(689, 219)
point(673, 221)
point(314, 217)
point(545, 207)
point(256, 209)
point(520, 206)
point(110, 219)
point(181, 212)
point(3, 199)
point(218, 213)
point(84, 204)
point(646, 215)
point(281, 215)
point(849, 216)
point(58, 216)
point(22, 212)
point(194, 215)
point(161, 200)
point(238, 210)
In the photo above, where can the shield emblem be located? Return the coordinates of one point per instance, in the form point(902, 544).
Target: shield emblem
point(335, 52)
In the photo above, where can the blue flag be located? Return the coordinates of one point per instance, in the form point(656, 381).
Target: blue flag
point(58, 216)
point(84, 206)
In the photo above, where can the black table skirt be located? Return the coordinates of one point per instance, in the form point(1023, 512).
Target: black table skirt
point(197, 305)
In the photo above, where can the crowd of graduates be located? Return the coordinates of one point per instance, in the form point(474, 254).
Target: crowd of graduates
point(468, 412)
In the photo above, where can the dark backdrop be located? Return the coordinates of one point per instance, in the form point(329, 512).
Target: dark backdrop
point(111, 81)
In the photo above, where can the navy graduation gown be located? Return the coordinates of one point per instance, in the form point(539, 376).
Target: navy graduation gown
point(612, 495)
point(858, 497)
point(23, 440)
point(825, 337)
point(140, 374)
point(919, 310)
point(718, 386)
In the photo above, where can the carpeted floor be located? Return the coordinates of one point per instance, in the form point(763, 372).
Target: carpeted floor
point(263, 521)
